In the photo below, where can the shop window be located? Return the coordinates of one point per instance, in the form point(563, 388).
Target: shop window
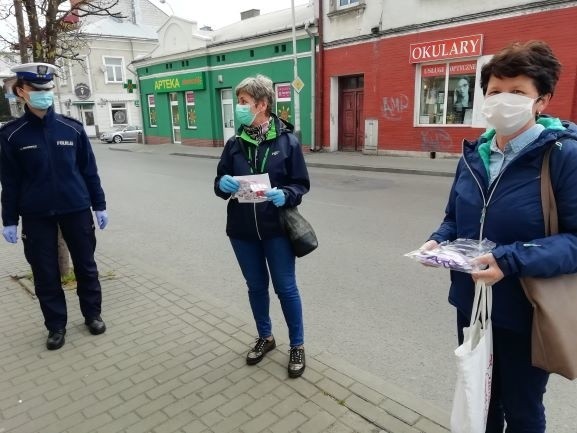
point(119, 113)
point(447, 93)
point(283, 101)
point(152, 111)
point(114, 68)
point(190, 110)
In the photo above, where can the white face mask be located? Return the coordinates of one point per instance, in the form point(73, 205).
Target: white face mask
point(508, 112)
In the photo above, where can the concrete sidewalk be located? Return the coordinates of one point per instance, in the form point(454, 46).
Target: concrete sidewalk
point(171, 362)
point(340, 160)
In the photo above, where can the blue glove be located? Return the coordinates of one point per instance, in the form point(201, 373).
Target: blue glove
point(10, 234)
point(277, 196)
point(228, 184)
point(101, 218)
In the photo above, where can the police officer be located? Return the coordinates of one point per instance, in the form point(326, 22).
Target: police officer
point(50, 179)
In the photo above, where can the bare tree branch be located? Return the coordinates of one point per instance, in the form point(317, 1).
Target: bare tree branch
point(48, 30)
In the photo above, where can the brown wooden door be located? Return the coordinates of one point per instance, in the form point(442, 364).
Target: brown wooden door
point(360, 137)
point(351, 119)
point(348, 118)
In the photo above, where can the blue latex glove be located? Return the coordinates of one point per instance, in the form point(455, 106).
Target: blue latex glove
point(228, 184)
point(277, 196)
point(101, 218)
point(10, 233)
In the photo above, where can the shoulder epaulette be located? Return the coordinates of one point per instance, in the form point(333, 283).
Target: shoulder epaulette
point(8, 123)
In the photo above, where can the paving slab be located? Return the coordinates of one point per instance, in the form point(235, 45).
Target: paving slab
point(167, 363)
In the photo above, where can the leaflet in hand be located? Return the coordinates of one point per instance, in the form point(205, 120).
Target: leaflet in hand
point(252, 188)
point(457, 255)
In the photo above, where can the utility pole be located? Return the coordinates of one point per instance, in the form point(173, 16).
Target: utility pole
point(297, 105)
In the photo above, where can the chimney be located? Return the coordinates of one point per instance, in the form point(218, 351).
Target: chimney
point(251, 13)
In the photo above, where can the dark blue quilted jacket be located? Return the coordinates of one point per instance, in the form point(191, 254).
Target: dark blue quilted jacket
point(513, 219)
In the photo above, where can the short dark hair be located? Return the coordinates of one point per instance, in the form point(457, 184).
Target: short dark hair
point(20, 82)
point(534, 59)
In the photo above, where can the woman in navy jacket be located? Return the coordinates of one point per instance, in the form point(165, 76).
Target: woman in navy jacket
point(50, 180)
point(496, 195)
point(265, 144)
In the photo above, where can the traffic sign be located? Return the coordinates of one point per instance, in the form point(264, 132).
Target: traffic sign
point(298, 84)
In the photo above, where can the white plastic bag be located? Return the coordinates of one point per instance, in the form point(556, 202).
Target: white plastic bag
point(474, 367)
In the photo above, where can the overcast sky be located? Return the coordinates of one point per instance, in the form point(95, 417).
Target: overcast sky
point(219, 13)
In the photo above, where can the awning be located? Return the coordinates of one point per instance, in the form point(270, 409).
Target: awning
point(83, 102)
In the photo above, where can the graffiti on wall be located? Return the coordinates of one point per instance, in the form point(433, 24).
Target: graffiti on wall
point(395, 106)
point(435, 140)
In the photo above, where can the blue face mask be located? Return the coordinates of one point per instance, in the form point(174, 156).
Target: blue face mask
point(244, 115)
point(41, 100)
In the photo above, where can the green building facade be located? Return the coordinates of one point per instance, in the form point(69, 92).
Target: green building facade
point(189, 97)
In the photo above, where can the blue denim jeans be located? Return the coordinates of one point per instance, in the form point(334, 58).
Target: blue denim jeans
point(256, 258)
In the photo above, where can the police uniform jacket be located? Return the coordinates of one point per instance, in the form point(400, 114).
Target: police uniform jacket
point(509, 212)
point(280, 155)
point(47, 168)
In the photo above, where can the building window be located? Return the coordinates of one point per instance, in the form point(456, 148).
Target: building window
point(347, 3)
point(119, 113)
point(152, 111)
point(114, 69)
point(190, 110)
point(283, 101)
point(447, 93)
point(62, 72)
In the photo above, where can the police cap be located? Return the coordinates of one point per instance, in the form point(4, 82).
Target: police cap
point(38, 75)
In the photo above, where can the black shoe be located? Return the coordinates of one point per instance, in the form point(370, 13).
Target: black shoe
point(55, 339)
point(260, 349)
point(96, 325)
point(296, 366)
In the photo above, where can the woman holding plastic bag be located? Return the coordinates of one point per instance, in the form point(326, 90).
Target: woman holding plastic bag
point(496, 195)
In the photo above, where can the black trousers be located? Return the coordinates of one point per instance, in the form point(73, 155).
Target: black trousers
point(40, 237)
point(517, 387)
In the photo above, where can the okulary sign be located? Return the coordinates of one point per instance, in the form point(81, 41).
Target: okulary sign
point(465, 46)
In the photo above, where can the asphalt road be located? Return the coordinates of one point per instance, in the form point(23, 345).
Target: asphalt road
point(363, 300)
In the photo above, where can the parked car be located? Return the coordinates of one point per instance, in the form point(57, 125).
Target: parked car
point(121, 133)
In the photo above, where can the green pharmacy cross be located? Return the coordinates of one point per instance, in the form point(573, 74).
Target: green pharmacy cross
point(130, 86)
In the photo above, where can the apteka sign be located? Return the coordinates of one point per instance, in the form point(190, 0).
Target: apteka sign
point(464, 46)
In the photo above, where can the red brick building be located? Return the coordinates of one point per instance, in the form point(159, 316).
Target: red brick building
point(417, 89)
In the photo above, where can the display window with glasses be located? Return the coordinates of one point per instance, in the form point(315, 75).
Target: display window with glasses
point(447, 93)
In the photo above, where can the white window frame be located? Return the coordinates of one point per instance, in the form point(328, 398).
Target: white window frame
point(349, 4)
point(116, 70)
point(152, 105)
point(477, 120)
point(190, 104)
point(119, 108)
point(63, 72)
